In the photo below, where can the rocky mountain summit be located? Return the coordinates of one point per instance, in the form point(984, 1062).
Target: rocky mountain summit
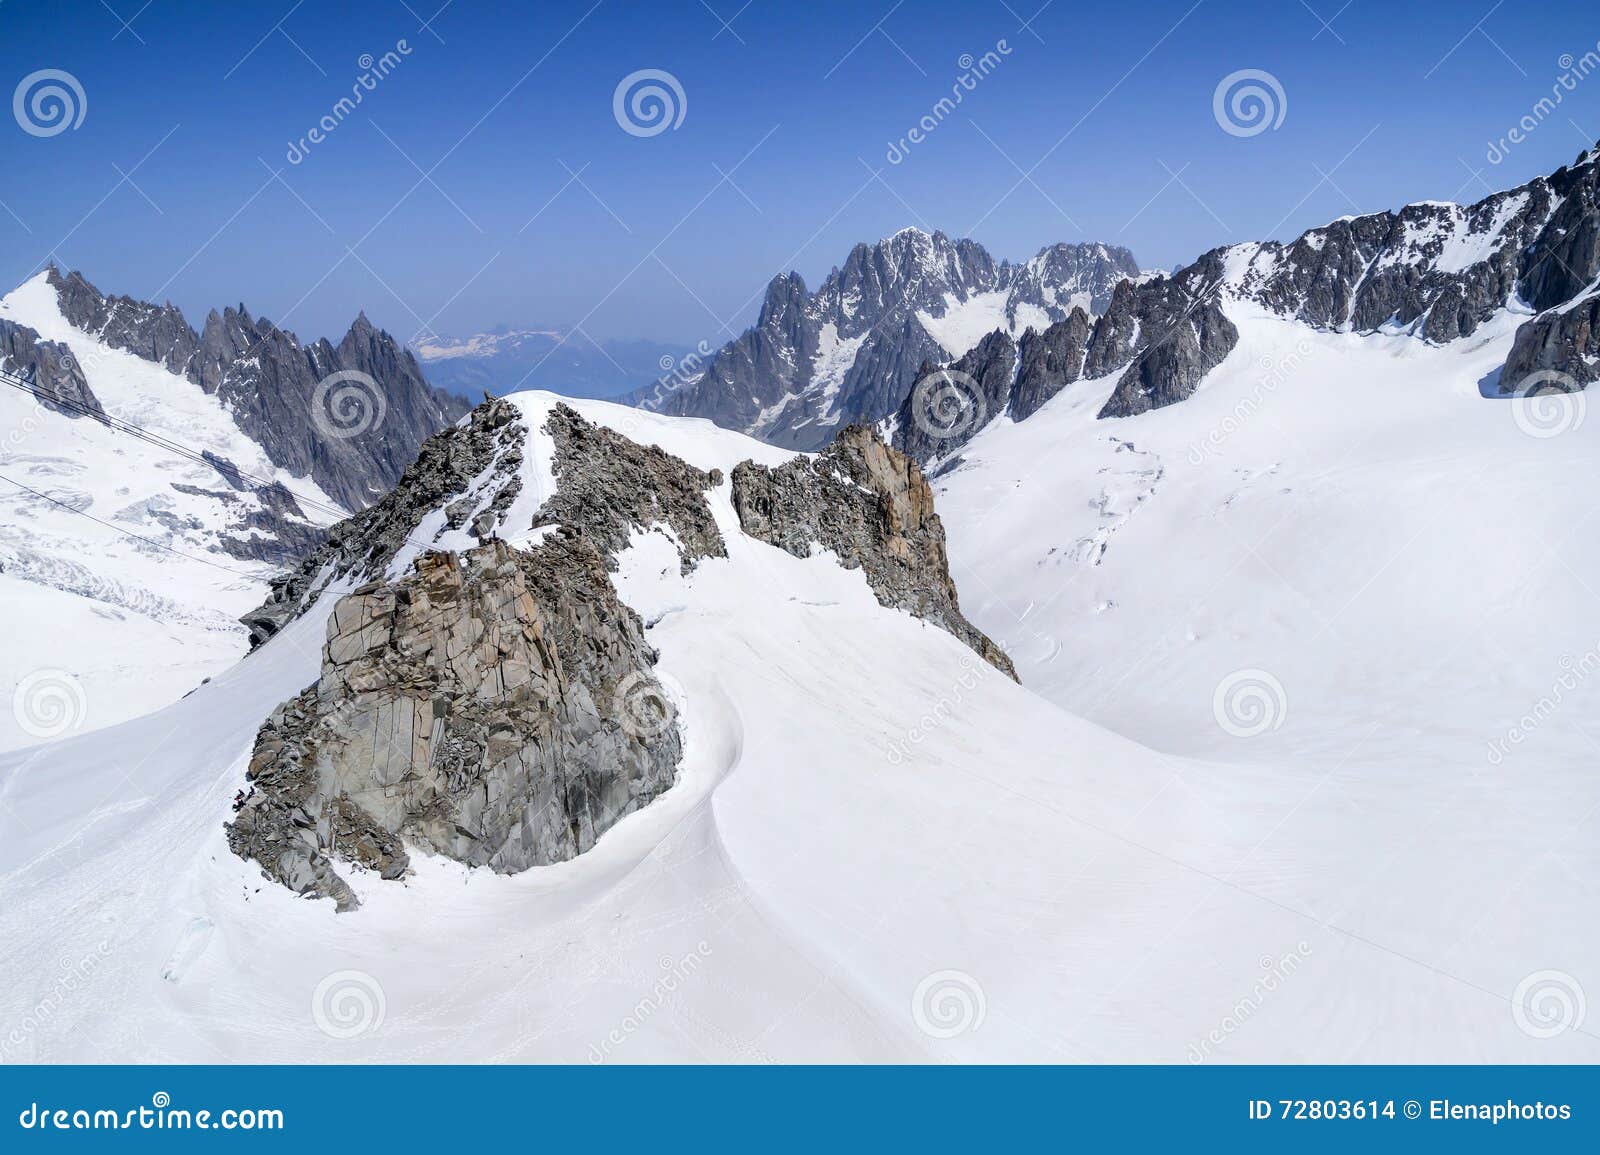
point(495, 701)
point(497, 708)
point(469, 471)
point(349, 416)
point(1432, 270)
point(815, 362)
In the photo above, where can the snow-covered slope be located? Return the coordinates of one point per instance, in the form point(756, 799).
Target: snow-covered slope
point(1340, 564)
point(878, 848)
point(124, 563)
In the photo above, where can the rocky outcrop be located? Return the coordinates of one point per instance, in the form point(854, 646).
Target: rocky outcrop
point(1184, 334)
point(871, 505)
point(55, 375)
point(350, 417)
point(1048, 362)
point(949, 404)
point(496, 708)
point(610, 487)
point(154, 332)
point(1559, 350)
point(851, 351)
point(471, 471)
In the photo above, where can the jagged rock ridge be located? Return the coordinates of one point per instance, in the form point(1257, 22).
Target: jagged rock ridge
point(470, 470)
point(498, 706)
point(1434, 270)
point(353, 443)
point(57, 378)
point(872, 507)
point(815, 362)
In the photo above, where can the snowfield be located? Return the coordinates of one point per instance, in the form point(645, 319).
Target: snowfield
point(881, 849)
point(114, 587)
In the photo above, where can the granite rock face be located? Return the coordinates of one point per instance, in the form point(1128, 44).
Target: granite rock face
point(609, 486)
point(949, 403)
point(496, 708)
point(499, 707)
point(1184, 334)
point(470, 470)
point(1560, 350)
point(154, 332)
point(1048, 362)
point(851, 351)
point(57, 378)
point(870, 505)
point(353, 437)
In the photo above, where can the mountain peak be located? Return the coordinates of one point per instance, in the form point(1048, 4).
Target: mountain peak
point(849, 352)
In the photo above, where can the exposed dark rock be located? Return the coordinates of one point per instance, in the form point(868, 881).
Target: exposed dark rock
point(496, 708)
point(782, 381)
point(488, 445)
point(350, 435)
point(609, 486)
point(949, 404)
point(1561, 348)
point(57, 378)
point(154, 332)
point(870, 505)
point(1437, 271)
point(1048, 362)
point(1184, 336)
point(351, 418)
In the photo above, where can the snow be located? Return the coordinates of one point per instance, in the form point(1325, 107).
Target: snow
point(1349, 517)
point(869, 819)
point(965, 323)
point(149, 624)
point(835, 357)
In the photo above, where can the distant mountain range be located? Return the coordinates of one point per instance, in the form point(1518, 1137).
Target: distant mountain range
point(506, 359)
point(815, 362)
point(1434, 270)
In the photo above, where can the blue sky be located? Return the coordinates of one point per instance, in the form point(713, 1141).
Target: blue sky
point(538, 207)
